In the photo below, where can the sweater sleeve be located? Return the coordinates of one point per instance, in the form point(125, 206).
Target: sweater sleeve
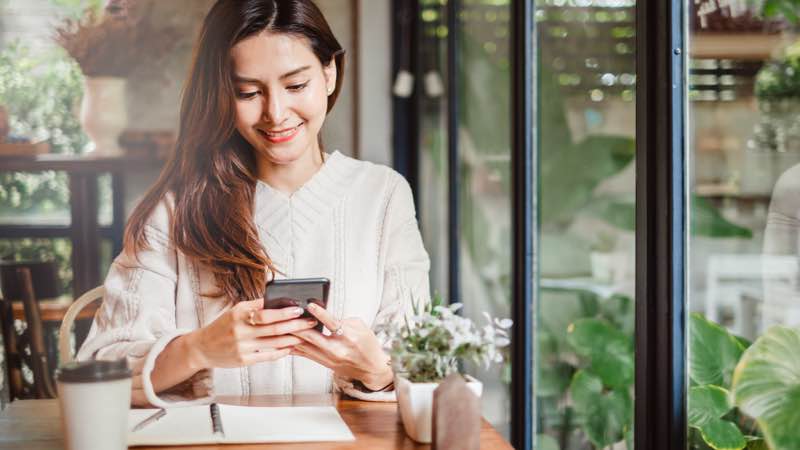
point(406, 268)
point(781, 248)
point(137, 319)
point(405, 278)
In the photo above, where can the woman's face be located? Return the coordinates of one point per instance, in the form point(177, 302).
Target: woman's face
point(281, 95)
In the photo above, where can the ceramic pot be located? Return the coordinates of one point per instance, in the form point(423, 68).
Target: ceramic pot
point(415, 403)
point(104, 113)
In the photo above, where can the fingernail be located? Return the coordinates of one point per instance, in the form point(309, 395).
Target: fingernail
point(297, 311)
point(312, 305)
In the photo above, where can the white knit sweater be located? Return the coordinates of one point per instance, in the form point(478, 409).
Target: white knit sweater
point(354, 222)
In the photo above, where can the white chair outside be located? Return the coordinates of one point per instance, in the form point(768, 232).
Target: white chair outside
point(64, 331)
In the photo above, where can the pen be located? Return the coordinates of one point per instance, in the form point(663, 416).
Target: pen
point(161, 413)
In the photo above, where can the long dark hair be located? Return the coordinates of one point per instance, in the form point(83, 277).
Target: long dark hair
point(212, 173)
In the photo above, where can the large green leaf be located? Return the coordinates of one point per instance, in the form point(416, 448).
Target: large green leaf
point(707, 221)
point(609, 350)
point(570, 173)
point(605, 414)
point(713, 352)
point(553, 379)
point(707, 405)
point(754, 443)
point(545, 442)
point(722, 435)
point(766, 386)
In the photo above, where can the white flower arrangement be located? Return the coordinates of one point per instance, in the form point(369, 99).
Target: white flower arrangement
point(428, 346)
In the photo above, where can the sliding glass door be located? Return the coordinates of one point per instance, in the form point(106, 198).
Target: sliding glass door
point(744, 190)
point(658, 277)
point(584, 310)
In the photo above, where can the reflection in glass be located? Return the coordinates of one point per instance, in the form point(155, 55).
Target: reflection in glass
point(585, 307)
point(744, 151)
point(484, 149)
point(433, 143)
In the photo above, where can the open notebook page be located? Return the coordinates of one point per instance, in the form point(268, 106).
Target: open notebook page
point(240, 424)
point(180, 426)
point(247, 424)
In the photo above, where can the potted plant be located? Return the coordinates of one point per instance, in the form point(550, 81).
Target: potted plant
point(428, 347)
point(109, 47)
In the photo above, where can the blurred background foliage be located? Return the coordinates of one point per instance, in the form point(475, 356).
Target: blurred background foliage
point(41, 88)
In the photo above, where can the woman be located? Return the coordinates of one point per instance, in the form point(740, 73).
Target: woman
point(249, 195)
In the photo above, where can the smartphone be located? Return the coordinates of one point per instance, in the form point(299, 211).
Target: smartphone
point(297, 292)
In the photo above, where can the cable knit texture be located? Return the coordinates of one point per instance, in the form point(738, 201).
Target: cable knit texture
point(353, 222)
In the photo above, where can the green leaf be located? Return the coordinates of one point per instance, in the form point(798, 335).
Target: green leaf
point(570, 173)
point(615, 212)
point(605, 414)
point(707, 403)
point(609, 350)
point(707, 221)
point(553, 379)
point(754, 443)
point(545, 442)
point(620, 310)
point(713, 352)
point(766, 386)
point(722, 435)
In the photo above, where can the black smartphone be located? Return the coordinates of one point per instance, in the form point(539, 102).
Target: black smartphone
point(297, 292)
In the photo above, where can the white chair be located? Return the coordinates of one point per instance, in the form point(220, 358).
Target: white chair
point(64, 341)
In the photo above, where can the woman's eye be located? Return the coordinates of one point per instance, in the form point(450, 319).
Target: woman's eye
point(298, 87)
point(247, 95)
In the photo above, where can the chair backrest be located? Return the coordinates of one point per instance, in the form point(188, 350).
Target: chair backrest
point(31, 338)
point(64, 332)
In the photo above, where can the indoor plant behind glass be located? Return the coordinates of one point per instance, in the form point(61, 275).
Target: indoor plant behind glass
point(429, 346)
point(109, 48)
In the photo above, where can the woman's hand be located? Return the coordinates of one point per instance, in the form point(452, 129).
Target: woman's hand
point(351, 351)
point(247, 334)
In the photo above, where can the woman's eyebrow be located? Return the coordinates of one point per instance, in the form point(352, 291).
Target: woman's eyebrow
point(242, 79)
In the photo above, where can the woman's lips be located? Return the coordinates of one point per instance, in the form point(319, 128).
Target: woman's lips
point(277, 137)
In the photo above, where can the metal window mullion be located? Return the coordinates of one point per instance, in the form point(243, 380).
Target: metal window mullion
point(453, 166)
point(523, 220)
point(660, 391)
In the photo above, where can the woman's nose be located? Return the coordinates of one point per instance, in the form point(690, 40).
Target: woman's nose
point(274, 109)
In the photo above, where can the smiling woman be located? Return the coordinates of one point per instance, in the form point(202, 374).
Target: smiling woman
point(249, 196)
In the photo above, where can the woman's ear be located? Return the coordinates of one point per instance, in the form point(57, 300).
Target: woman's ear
point(330, 76)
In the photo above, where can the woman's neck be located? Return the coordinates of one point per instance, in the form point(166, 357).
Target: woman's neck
point(288, 178)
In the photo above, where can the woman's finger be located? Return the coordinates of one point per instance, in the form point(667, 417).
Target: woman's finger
point(313, 337)
point(286, 340)
point(268, 316)
point(267, 355)
point(324, 317)
point(273, 342)
point(285, 327)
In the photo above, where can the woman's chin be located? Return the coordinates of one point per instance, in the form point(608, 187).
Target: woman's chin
point(283, 155)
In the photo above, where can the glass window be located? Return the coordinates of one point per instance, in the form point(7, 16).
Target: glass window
point(433, 167)
point(744, 155)
point(483, 83)
point(584, 339)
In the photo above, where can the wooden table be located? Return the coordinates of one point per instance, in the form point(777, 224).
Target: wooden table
point(34, 425)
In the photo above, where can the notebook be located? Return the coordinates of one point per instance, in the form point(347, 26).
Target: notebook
point(230, 424)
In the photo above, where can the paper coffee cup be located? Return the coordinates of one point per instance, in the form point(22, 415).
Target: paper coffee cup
point(94, 397)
